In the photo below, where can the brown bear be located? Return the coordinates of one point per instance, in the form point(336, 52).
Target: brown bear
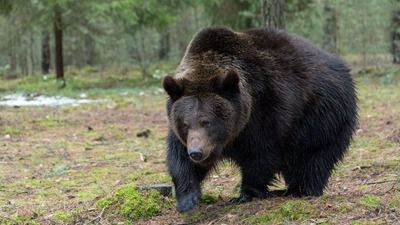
point(269, 101)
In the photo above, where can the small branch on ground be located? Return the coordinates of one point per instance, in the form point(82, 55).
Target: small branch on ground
point(100, 216)
point(381, 182)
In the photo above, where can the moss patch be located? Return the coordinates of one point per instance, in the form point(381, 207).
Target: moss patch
point(208, 199)
point(18, 220)
point(62, 216)
point(131, 204)
point(293, 210)
point(370, 201)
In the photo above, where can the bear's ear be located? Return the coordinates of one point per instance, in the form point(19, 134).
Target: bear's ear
point(173, 87)
point(230, 81)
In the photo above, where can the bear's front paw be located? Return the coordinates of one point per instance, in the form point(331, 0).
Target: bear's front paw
point(241, 199)
point(187, 201)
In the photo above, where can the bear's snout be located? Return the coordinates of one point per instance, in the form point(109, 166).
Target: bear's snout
point(198, 146)
point(196, 154)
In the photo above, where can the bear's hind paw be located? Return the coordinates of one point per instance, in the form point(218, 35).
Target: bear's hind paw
point(241, 199)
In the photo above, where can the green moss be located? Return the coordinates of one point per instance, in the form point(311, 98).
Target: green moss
point(18, 220)
point(62, 216)
point(208, 199)
point(293, 210)
point(135, 206)
point(104, 203)
point(370, 201)
point(86, 195)
point(131, 204)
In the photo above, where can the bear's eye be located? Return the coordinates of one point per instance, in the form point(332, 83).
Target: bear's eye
point(205, 123)
point(185, 125)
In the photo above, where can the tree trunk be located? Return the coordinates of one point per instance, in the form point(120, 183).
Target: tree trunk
point(90, 50)
point(58, 35)
point(364, 31)
point(330, 29)
point(142, 53)
point(273, 13)
point(13, 52)
point(164, 45)
point(29, 61)
point(396, 37)
point(45, 52)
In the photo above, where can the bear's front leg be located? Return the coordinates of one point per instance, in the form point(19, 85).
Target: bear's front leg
point(186, 175)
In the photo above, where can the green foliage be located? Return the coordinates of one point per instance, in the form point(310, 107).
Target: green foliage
point(6, 6)
point(104, 203)
point(304, 17)
point(238, 14)
point(370, 201)
point(12, 131)
point(18, 220)
point(49, 122)
point(122, 33)
point(131, 204)
point(208, 199)
point(139, 13)
point(62, 217)
point(292, 210)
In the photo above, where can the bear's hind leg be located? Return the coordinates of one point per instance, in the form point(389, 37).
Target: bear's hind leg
point(309, 174)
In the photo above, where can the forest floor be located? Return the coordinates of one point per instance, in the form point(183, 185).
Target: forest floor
point(80, 164)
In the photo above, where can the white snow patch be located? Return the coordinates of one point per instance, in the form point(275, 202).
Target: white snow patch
point(39, 100)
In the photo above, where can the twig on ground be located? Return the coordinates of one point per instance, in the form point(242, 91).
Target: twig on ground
point(100, 216)
point(381, 182)
point(390, 189)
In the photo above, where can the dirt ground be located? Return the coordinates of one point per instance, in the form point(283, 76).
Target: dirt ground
point(57, 162)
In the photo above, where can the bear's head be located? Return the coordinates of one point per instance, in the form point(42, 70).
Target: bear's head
point(207, 114)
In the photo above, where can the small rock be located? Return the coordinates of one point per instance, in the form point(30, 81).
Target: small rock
point(7, 136)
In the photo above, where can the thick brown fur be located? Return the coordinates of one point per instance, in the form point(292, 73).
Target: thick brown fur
point(267, 100)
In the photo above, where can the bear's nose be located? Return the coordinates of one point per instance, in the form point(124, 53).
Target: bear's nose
point(196, 154)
